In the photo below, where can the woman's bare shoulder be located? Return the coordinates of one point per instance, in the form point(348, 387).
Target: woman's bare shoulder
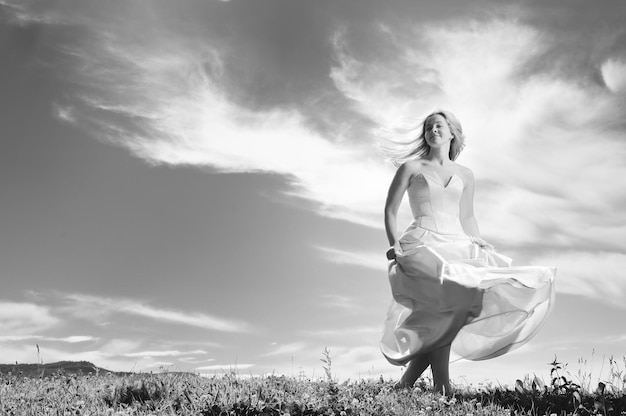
point(413, 166)
point(410, 169)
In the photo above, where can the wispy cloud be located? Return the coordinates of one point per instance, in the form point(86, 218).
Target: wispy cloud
point(100, 307)
point(23, 319)
point(25, 325)
point(195, 360)
point(224, 367)
point(286, 349)
point(334, 300)
point(546, 146)
point(546, 151)
point(107, 354)
point(599, 275)
point(348, 332)
point(73, 339)
point(119, 354)
point(369, 260)
point(614, 74)
point(63, 113)
point(164, 98)
point(527, 132)
point(118, 346)
point(172, 353)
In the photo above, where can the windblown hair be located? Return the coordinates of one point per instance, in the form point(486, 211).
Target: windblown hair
point(412, 143)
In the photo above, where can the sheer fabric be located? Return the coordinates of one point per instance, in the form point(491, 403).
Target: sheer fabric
point(448, 290)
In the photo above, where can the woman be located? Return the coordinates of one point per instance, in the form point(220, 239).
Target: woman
point(451, 290)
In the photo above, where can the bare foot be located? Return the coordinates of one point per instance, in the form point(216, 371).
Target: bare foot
point(401, 385)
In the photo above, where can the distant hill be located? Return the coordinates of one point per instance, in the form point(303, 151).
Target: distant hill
point(65, 367)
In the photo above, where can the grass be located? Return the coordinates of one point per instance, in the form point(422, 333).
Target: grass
point(233, 394)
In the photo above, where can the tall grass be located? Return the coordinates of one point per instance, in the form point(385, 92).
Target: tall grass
point(235, 394)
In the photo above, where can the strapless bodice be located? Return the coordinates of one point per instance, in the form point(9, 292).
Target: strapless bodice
point(435, 206)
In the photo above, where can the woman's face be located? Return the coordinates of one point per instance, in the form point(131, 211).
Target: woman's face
point(436, 130)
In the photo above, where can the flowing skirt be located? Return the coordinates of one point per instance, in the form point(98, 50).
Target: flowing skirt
point(448, 290)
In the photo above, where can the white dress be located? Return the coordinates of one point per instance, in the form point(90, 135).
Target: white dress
point(448, 290)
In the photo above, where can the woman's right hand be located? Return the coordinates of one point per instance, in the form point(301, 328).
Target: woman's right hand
point(393, 251)
point(482, 243)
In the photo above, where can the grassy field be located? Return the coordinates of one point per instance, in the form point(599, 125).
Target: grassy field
point(235, 394)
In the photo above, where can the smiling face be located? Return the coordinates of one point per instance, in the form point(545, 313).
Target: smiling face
point(436, 130)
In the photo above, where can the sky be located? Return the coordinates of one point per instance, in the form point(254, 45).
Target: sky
point(197, 186)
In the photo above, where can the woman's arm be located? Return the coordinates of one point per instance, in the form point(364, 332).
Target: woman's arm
point(468, 220)
point(394, 197)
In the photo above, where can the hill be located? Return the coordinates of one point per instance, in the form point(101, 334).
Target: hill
point(65, 367)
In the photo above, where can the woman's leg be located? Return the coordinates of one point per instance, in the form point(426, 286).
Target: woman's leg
point(440, 364)
point(415, 369)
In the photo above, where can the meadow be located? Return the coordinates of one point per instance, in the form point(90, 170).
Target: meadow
point(231, 393)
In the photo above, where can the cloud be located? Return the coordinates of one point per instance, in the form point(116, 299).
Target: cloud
point(195, 360)
point(599, 275)
point(224, 367)
point(115, 354)
point(81, 304)
point(22, 319)
point(107, 355)
point(118, 346)
point(347, 332)
point(335, 300)
point(286, 349)
point(546, 144)
point(172, 353)
point(368, 260)
point(478, 69)
point(111, 349)
point(546, 151)
point(161, 364)
point(614, 339)
point(165, 98)
point(614, 75)
point(73, 339)
point(63, 113)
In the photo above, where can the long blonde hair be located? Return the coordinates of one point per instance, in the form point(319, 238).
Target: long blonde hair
point(412, 143)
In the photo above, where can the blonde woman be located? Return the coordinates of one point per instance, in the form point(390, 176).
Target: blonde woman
point(451, 290)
